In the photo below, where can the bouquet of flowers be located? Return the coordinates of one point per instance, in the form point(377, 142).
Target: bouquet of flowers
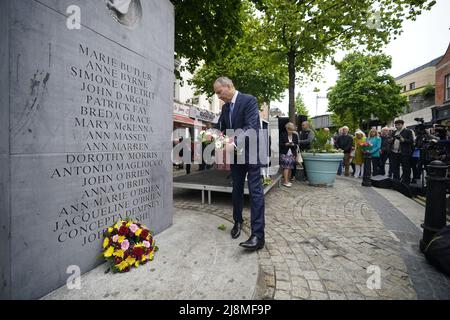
point(223, 156)
point(208, 136)
point(128, 244)
point(365, 147)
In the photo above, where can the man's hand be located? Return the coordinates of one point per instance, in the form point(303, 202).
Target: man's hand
point(229, 147)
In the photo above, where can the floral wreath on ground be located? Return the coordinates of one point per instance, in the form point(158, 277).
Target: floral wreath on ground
point(128, 244)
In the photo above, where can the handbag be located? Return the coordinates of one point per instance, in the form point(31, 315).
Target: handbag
point(299, 159)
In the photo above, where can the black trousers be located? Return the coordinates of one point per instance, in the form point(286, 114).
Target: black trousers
point(416, 166)
point(383, 158)
point(375, 166)
point(403, 160)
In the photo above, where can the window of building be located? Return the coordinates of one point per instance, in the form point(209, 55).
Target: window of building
point(412, 86)
point(447, 87)
point(404, 88)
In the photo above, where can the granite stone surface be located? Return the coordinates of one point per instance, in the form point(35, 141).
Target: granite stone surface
point(87, 117)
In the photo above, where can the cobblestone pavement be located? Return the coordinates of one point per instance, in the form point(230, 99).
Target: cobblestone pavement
point(320, 243)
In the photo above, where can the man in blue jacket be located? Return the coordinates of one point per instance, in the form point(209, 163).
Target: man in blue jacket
point(239, 119)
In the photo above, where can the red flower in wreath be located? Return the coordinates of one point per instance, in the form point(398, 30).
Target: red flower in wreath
point(123, 231)
point(144, 234)
point(138, 252)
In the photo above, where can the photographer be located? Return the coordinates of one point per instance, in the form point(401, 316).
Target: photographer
point(401, 151)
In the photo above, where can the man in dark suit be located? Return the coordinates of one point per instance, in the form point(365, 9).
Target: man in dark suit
point(401, 151)
point(240, 112)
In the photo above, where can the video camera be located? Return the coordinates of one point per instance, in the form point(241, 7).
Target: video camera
point(432, 147)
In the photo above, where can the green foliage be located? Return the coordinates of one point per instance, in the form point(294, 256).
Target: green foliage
point(300, 107)
point(365, 89)
point(222, 227)
point(428, 91)
point(252, 70)
point(308, 33)
point(292, 39)
point(344, 119)
point(205, 29)
point(320, 143)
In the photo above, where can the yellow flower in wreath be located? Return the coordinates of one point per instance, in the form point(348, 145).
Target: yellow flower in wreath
point(118, 253)
point(136, 264)
point(121, 238)
point(138, 232)
point(108, 253)
point(121, 266)
point(110, 230)
point(105, 243)
point(130, 260)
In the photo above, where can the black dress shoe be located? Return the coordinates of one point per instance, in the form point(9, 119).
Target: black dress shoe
point(253, 243)
point(236, 231)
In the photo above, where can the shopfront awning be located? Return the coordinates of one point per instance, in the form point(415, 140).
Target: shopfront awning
point(183, 119)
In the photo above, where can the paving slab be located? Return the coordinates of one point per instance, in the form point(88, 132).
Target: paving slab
point(195, 260)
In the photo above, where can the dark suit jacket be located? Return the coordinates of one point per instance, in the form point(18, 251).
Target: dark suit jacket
point(407, 146)
point(284, 139)
point(245, 117)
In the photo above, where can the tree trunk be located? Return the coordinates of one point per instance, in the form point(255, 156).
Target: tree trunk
point(291, 70)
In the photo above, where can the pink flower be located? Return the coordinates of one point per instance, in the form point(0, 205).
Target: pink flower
point(133, 228)
point(125, 245)
point(146, 243)
point(115, 238)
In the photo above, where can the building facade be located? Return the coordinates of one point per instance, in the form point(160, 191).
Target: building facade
point(442, 100)
point(190, 110)
point(418, 85)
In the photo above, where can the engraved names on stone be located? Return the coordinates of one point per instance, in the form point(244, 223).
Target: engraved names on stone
point(115, 165)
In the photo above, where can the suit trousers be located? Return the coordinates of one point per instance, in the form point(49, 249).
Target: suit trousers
point(256, 192)
point(383, 158)
point(404, 160)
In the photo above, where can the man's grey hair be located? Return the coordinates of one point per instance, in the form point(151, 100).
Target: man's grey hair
point(225, 81)
point(345, 127)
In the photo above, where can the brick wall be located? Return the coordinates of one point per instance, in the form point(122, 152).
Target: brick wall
point(442, 69)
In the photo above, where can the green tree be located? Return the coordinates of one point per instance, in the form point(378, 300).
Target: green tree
point(344, 119)
point(307, 32)
point(300, 106)
point(364, 89)
point(252, 70)
point(204, 29)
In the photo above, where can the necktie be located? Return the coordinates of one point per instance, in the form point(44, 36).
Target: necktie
point(231, 111)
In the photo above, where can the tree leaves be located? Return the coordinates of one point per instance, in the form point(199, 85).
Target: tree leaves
point(365, 90)
point(252, 67)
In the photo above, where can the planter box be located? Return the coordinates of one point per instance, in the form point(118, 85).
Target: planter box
point(321, 168)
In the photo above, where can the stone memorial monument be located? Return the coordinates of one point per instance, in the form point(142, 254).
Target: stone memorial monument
point(85, 132)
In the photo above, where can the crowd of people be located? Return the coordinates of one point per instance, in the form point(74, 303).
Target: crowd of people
point(397, 147)
point(391, 151)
